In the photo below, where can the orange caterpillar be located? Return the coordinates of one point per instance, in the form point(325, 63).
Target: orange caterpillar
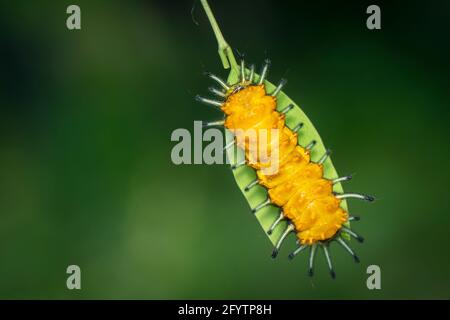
point(306, 199)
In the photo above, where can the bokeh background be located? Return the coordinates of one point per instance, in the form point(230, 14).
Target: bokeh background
point(85, 170)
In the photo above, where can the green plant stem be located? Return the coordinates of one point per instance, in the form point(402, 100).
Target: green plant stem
point(225, 51)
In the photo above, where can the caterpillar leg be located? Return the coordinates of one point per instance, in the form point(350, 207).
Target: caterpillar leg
point(346, 247)
point(312, 254)
point(356, 196)
point(341, 179)
point(264, 71)
point(311, 145)
point(287, 109)
point(297, 251)
point(251, 185)
point(353, 234)
point(229, 145)
point(328, 258)
point(238, 165)
point(252, 73)
point(324, 157)
point(218, 123)
point(288, 230)
point(279, 87)
point(261, 205)
point(217, 92)
point(221, 82)
point(208, 101)
point(243, 71)
point(298, 127)
point(275, 223)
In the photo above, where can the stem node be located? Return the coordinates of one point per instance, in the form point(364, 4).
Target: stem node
point(225, 51)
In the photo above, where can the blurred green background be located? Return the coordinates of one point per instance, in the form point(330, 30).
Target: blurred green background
point(85, 170)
